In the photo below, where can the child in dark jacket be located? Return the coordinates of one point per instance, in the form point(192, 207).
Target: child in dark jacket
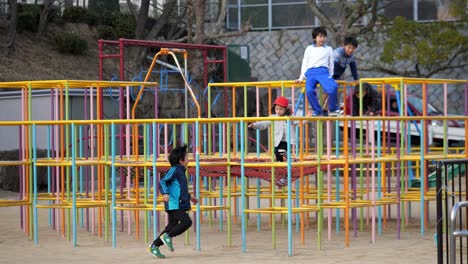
point(371, 103)
point(176, 197)
point(344, 56)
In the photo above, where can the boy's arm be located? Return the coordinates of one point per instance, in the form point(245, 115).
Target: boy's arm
point(353, 67)
point(304, 65)
point(194, 199)
point(166, 179)
point(336, 74)
point(260, 125)
point(331, 63)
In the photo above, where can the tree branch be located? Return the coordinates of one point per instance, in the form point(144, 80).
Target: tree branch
point(221, 17)
point(384, 69)
point(132, 10)
point(324, 19)
point(162, 19)
point(244, 29)
point(373, 17)
point(444, 68)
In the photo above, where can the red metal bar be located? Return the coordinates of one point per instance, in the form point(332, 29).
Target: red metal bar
point(170, 44)
point(122, 68)
point(147, 43)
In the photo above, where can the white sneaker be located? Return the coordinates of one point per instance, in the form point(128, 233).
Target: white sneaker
point(336, 113)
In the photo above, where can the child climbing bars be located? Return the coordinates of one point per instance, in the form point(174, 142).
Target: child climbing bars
point(317, 67)
point(280, 107)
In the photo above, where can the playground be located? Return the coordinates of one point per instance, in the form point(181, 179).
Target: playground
point(337, 198)
point(410, 248)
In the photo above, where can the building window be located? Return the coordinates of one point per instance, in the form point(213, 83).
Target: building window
point(280, 14)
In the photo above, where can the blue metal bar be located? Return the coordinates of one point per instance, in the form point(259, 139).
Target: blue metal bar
point(73, 167)
point(113, 173)
point(243, 217)
point(288, 149)
point(34, 152)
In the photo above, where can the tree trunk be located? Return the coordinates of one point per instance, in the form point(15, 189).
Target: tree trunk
point(44, 18)
point(163, 19)
point(68, 3)
point(100, 6)
point(199, 13)
point(142, 18)
point(189, 20)
point(131, 7)
point(8, 39)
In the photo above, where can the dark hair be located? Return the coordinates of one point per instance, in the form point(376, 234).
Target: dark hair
point(177, 154)
point(317, 31)
point(286, 113)
point(365, 87)
point(351, 40)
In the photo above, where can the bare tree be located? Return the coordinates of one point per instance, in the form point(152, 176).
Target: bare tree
point(199, 13)
point(155, 30)
point(349, 17)
point(162, 20)
point(8, 39)
point(142, 18)
point(131, 7)
point(44, 17)
point(68, 3)
point(200, 35)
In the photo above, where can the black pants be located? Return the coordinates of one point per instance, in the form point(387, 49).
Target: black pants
point(179, 222)
point(284, 146)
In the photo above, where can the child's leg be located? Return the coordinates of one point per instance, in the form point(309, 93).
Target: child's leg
point(311, 84)
point(172, 223)
point(330, 87)
point(183, 223)
point(325, 101)
point(283, 147)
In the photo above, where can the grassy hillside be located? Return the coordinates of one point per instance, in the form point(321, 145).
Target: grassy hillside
point(37, 59)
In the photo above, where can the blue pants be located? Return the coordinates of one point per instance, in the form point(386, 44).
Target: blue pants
point(329, 86)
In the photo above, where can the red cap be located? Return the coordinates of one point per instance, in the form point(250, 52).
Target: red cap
point(282, 101)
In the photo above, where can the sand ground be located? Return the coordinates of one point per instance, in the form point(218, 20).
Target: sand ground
point(412, 247)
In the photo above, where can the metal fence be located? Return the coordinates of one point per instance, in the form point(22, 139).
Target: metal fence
point(452, 211)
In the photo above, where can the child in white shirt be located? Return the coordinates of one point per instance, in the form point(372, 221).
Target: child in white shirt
point(317, 67)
